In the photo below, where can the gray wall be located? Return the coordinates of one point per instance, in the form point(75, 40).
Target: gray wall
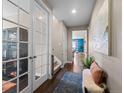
point(111, 64)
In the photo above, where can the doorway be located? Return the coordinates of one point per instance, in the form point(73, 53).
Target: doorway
point(79, 42)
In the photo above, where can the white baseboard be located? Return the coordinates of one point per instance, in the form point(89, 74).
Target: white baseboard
point(69, 61)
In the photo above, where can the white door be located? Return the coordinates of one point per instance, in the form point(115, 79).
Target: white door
point(40, 45)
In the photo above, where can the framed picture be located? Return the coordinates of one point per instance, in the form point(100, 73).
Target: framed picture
point(102, 36)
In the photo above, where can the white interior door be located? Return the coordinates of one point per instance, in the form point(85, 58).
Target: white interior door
point(40, 45)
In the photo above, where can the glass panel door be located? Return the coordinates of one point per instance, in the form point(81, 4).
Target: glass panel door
point(15, 57)
point(40, 45)
point(15, 49)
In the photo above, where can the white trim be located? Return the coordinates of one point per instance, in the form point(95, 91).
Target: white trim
point(69, 61)
point(18, 54)
point(41, 3)
point(18, 6)
point(15, 23)
point(50, 47)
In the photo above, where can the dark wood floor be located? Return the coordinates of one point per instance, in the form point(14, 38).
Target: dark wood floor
point(50, 85)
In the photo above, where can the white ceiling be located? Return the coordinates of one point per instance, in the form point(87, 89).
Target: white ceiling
point(62, 10)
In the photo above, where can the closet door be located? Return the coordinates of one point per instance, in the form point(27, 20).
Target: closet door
point(40, 45)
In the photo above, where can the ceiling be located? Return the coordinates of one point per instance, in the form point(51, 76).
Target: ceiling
point(62, 9)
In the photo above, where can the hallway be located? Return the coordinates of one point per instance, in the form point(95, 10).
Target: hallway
point(50, 85)
point(47, 44)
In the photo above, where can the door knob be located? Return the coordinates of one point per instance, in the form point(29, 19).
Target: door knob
point(35, 56)
point(31, 57)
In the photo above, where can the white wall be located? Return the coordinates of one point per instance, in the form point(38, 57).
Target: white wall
point(79, 34)
point(64, 45)
point(111, 64)
point(117, 28)
point(58, 32)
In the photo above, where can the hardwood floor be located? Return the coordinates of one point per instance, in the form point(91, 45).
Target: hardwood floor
point(50, 85)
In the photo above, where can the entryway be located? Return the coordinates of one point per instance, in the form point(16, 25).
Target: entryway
point(79, 42)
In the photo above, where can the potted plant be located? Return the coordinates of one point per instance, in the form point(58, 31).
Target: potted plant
point(88, 61)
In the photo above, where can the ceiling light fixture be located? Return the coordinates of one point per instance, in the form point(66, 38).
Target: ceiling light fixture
point(73, 11)
point(40, 17)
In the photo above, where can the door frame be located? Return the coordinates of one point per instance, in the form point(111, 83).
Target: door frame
point(87, 38)
point(64, 46)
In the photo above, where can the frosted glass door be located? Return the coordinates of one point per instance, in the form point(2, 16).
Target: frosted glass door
point(40, 45)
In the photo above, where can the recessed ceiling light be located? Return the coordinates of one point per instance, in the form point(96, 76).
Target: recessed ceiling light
point(53, 17)
point(73, 11)
point(40, 17)
point(14, 33)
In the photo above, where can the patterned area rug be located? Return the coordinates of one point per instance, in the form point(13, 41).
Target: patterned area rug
point(70, 83)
